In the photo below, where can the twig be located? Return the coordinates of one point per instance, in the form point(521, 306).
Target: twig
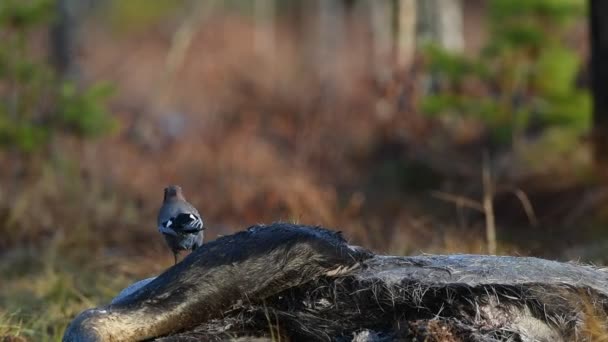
point(180, 43)
point(525, 202)
point(460, 201)
point(488, 206)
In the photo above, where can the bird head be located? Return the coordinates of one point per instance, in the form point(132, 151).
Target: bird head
point(173, 192)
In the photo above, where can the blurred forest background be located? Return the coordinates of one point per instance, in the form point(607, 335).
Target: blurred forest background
point(438, 126)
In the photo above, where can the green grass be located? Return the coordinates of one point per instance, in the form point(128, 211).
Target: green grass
point(41, 291)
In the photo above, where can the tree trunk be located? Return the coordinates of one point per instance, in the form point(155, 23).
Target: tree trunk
point(442, 22)
point(64, 38)
point(382, 39)
point(264, 35)
point(330, 35)
point(450, 25)
point(406, 33)
point(598, 10)
point(64, 35)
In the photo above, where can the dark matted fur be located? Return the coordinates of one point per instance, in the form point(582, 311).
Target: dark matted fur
point(247, 266)
point(427, 298)
point(298, 283)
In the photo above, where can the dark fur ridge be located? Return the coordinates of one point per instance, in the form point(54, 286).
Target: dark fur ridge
point(250, 265)
point(297, 283)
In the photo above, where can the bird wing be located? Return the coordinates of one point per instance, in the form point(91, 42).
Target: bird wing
point(187, 223)
point(165, 228)
point(183, 223)
point(179, 218)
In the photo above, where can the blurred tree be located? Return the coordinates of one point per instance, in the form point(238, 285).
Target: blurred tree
point(36, 103)
point(598, 12)
point(63, 38)
point(64, 35)
point(441, 22)
point(393, 27)
point(381, 13)
point(406, 32)
point(330, 35)
point(264, 35)
point(524, 80)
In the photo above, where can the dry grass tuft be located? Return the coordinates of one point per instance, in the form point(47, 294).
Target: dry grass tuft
point(595, 322)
